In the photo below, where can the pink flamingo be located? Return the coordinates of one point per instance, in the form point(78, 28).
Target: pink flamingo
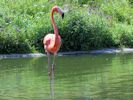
point(52, 42)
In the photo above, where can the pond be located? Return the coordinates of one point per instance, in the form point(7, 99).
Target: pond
point(84, 77)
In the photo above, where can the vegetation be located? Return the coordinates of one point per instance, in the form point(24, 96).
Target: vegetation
point(88, 24)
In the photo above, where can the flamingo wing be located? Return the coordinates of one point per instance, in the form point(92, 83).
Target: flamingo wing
point(49, 41)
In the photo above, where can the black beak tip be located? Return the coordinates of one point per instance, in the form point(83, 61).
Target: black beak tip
point(62, 15)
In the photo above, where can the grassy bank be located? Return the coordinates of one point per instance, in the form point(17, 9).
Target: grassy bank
point(87, 25)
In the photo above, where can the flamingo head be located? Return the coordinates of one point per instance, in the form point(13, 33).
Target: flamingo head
point(59, 10)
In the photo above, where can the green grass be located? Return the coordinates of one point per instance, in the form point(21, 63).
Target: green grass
point(88, 24)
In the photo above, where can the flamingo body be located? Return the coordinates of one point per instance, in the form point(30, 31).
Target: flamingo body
point(52, 43)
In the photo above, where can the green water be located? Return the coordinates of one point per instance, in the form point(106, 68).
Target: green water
point(97, 77)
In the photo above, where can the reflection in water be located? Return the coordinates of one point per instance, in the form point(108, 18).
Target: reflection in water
point(51, 78)
point(90, 77)
point(18, 78)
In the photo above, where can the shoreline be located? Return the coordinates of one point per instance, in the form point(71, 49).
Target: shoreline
point(101, 51)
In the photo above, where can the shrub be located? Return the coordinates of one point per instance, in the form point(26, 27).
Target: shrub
point(83, 32)
point(122, 35)
point(24, 24)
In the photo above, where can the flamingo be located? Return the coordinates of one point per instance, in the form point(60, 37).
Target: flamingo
point(52, 42)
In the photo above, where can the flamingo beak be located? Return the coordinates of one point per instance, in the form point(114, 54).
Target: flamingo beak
point(62, 15)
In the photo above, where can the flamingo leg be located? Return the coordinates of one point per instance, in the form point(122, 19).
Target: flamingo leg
point(53, 65)
point(52, 79)
point(49, 63)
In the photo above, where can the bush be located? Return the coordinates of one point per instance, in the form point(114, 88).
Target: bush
point(83, 32)
point(119, 10)
point(97, 25)
point(122, 35)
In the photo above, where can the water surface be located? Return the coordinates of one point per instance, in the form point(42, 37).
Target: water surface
point(86, 77)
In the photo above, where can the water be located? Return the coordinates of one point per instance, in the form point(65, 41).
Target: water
point(90, 77)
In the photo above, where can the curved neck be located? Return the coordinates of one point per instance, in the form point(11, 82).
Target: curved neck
point(53, 22)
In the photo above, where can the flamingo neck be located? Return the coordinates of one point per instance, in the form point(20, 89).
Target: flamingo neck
point(53, 23)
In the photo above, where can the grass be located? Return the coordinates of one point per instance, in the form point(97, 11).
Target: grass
point(88, 24)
